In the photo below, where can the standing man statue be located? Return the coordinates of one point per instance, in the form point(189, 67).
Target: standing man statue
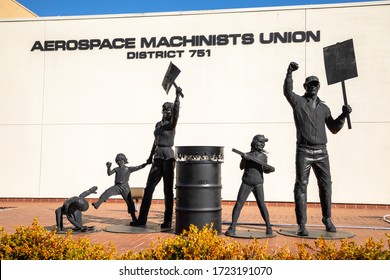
point(311, 116)
point(162, 158)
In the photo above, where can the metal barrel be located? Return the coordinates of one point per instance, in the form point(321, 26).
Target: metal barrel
point(198, 187)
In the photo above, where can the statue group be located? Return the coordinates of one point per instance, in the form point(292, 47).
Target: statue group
point(162, 160)
point(311, 117)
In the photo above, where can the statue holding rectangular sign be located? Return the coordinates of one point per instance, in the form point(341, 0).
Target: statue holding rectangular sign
point(311, 116)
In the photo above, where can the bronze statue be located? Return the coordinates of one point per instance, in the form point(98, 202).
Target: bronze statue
point(73, 208)
point(122, 175)
point(254, 164)
point(162, 158)
point(311, 116)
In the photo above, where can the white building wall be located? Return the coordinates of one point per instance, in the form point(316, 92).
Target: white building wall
point(63, 114)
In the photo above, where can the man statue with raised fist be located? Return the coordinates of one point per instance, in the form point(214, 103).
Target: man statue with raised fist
point(311, 116)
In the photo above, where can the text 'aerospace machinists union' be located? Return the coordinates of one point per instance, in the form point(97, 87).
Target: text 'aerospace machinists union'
point(175, 46)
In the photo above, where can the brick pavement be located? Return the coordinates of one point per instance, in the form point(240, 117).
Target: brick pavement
point(363, 221)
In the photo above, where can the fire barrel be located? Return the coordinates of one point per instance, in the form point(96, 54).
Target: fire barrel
point(198, 187)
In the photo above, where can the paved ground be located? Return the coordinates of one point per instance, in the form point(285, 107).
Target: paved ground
point(362, 221)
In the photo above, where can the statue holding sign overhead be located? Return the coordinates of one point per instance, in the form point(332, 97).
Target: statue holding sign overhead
point(162, 155)
point(311, 117)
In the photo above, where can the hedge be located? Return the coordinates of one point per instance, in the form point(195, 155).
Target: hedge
point(36, 243)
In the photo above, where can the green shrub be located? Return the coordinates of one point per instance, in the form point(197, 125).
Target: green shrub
point(36, 243)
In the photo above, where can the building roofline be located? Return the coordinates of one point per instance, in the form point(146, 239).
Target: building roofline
point(201, 12)
point(24, 8)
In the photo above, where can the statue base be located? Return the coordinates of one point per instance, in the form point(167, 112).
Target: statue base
point(148, 228)
point(250, 234)
point(317, 233)
point(74, 230)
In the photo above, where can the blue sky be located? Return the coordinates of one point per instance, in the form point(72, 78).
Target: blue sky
point(97, 7)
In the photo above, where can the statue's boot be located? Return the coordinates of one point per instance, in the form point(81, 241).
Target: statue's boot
point(268, 229)
point(133, 217)
point(166, 225)
point(231, 230)
point(328, 224)
point(97, 203)
point(235, 214)
point(137, 223)
point(302, 231)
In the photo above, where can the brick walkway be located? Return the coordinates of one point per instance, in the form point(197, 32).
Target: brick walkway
point(364, 222)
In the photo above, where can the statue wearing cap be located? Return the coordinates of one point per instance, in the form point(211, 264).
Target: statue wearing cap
point(252, 181)
point(311, 117)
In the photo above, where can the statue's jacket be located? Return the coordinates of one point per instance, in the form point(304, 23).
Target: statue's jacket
point(253, 171)
point(164, 134)
point(310, 117)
